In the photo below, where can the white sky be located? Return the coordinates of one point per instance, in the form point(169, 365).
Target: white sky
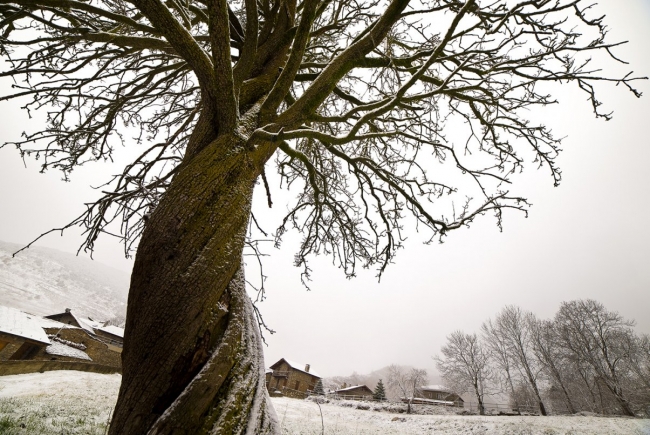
point(588, 238)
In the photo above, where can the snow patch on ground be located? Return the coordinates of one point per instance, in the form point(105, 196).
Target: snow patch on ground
point(77, 402)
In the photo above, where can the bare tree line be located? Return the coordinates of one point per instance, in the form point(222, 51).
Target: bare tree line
point(587, 358)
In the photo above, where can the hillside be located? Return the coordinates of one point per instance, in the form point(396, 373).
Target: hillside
point(46, 281)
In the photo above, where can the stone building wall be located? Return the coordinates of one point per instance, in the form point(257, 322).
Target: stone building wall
point(9, 350)
point(295, 379)
point(99, 352)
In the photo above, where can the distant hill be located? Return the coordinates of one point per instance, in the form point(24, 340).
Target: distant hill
point(45, 281)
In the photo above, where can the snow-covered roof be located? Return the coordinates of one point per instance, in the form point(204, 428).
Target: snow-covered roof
point(432, 401)
point(297, 366)
point(23, 325)
point(88, 324)
point(352, 388)
point(44, 322)
point(61, 349)
point(440, 388)
point(85, 323)
point(114, 330)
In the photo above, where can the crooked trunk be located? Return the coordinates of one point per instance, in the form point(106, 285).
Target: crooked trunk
point(192, 359)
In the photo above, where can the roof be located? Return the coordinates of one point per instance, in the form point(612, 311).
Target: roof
point(297, 366)
point(20, 324)
point(353, 388)
point(84, 322)
point(44, 322)
point(113, 330)
point(440, 388)
point(422, 400)
point(61, 349)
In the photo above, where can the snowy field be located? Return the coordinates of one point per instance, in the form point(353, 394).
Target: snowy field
point(67, 402)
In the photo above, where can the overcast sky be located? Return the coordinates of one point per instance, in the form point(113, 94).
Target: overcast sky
point(588, 238)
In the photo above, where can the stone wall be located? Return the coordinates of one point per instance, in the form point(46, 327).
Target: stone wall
point(100, 353)
point(31, 366)
point(9, 350)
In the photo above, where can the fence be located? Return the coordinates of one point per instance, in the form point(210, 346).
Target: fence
point(504, 408)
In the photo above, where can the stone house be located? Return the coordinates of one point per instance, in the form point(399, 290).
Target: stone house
point(439, 393)
point(21, 336)
point(112, 336)
point(28, 339)
point(355, 392)
point(291, 379)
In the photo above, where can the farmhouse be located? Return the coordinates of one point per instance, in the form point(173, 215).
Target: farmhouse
point(31, 343)
point(110, 335)
point(355, 392)
point(291, 379)
point(438, 393)
point(20, 335)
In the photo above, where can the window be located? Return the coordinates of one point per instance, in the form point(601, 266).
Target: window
point(297, 385)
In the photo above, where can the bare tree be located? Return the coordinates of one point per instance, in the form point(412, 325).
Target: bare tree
point(356, 100)
point(465, 366)
point(406, 382)
point(513, 325)
point(638, 350)
point(501, 357)
point(597, 336)
point(544, 339)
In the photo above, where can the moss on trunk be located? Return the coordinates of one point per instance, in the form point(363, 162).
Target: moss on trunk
point(192, 353)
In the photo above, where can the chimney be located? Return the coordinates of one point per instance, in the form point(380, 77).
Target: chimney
point(67, 310)
point(307, 368)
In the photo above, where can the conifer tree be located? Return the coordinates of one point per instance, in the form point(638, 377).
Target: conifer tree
point(318, 389)
point(380, 392)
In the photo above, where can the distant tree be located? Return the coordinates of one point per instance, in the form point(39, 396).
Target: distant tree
point(380, 392)
point(406, 382)
point(465, 366)
point(598, 337)
point(501, 358)
point(374, 110)
point(544, 339)
point(514, 327)
point(318, 389)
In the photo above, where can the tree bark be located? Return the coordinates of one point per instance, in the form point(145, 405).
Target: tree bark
point(479, 398)
point(192, 352)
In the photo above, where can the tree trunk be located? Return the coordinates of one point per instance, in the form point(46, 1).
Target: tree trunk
point(558, 378)
point(512, 391)
point(192, 360)
point(479, 399)
point(620, 398)
point(569, 403)
point(531, 379)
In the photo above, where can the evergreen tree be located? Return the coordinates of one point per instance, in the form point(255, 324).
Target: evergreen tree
point(318, 389)
point(380, 392)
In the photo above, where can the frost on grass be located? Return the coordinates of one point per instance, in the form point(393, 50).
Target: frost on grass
point(57, 402)
point(68, 402)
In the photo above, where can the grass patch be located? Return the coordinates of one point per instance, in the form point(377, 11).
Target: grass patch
point(51, 416)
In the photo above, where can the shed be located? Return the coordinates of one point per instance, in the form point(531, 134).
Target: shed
point(357, 391)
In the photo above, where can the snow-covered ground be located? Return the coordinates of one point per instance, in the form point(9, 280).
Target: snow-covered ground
point(80, 403)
